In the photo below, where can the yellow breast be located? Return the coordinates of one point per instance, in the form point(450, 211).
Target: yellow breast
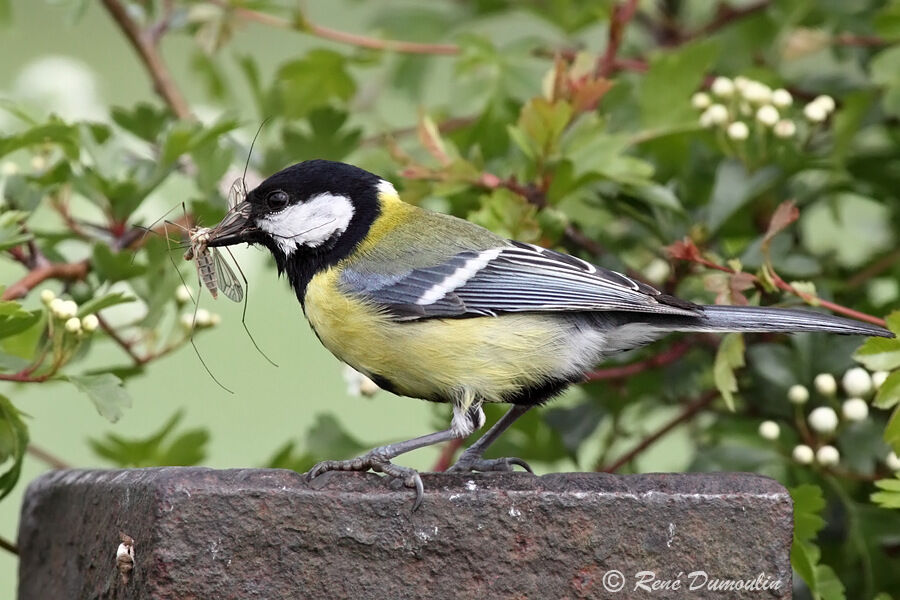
point(490, 358)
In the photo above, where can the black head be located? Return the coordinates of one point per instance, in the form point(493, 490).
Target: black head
point(309, 215)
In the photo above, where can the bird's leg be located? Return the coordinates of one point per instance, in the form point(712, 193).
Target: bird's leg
point(471, 460)
point(379, 459)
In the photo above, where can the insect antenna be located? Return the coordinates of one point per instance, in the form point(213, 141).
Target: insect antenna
point(250, 152)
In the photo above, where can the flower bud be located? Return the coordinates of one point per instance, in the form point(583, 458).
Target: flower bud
point(757, 93)
point(740, 83)
point(823, 419)
point(767, 115)
point(9, 168)
point(716, 114)
point(892, 461)
point(828, 456)
point(855, 409)
point(69, 309)
point(215, 319)
point(701, 100)
point(738, 131)
point(782, 98)
point(38, 162)
point(878, 378)
point(803, 454)
point(825, 384)
point(187, 321)
point(857, 382)
point(204, 318)
point(826, 102)
point(182, 294)
point(722, 87)
point(73, 325)
point(47, 296)
point(90, 323)
point(798, 394)
point(785, 128)
point(769, 430)
point(815, 113)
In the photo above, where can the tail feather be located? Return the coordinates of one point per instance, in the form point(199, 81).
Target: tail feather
point(764, 319)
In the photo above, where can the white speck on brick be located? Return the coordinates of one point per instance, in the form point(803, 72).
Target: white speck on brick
point(471, 486)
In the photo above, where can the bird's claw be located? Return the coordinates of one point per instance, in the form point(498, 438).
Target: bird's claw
point(379, 463)
point(482, 465)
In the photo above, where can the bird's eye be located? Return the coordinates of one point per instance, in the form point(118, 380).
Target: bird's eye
point(277, 200)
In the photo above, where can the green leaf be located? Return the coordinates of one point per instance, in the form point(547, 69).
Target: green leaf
point(809, 503)
point(326, 437)
point(508, 214)
point(729, 357)
point(821, 579)
point(879, 354)
point(734, 187)
point(144, 120)
point(672, 76)
point(852, 227)
point(105, 391)
point(885, 71)
point(54, 131)
point(187, 449)
point(115, 266)
point(13, 442)
point(97, 304)
point(11, 223)
point(888, 394)
point(892, 431)
point(313, 82)
point(889, 496)
point(15, 319)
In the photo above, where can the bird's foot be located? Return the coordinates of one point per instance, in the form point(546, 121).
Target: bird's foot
point(482, 465)
point(374, 461)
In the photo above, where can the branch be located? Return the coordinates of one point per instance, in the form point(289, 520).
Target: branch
point(9, 546)
point(153, 62)
point(725, 15)
point(65, 271)
point(341, 37)
point(45, 457)
point(621, 15)
point(448, 452)
point(685, 415)
point(670, 355)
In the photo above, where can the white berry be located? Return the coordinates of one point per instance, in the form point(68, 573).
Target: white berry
point(738, 131)
point(716, 114)
point(825, 384)
point(701, 100)
point(90, 323)
point(722, 87)
point(187, 321)
point(855, 409)
point(857, 382)
point(204, 318)
point(782, 98)
point(757, 93)
point(828, 456)
point(767, 115)
point(785, 128)
point(823, 419)
point(769, 430)
point(798, 394)
point(803, 454)
point(47, 296)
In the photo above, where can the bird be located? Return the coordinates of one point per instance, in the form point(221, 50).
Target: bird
point(435, 307)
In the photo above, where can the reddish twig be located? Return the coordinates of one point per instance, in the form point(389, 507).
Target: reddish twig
point(670, 355)
point(448, 453)
point(153, 62)
point(866, 41)
point(341, 37)
point(126, 345)
point(725, 15)
point(685, 415)
point(48, 458)
point(66, 271)
point(621, 15)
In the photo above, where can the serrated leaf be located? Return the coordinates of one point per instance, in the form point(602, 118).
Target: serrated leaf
point(115, 266)
point(327, 437)
point(729, 357)
point(313, 82)
point(888, 394)
point(809, 502)
point(734, 187)
point(892, 431)
point(105, 391)
point(13, 442)
point(17, 321)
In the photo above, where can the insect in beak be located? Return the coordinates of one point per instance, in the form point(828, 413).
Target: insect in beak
point(235, 228)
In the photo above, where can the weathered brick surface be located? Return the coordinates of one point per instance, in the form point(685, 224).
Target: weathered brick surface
point(209, 534)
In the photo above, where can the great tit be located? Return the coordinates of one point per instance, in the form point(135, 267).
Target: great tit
point(434, 307)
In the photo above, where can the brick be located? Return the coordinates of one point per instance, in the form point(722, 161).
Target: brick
point(214, 534)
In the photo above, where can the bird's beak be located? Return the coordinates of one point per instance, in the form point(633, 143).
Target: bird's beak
point(235, 228)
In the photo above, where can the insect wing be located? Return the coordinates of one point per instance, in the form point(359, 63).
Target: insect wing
point(237, 193)
point(228, 281)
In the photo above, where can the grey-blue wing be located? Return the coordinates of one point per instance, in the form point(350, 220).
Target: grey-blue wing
point(515, 278)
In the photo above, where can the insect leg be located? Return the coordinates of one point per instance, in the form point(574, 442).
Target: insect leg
point(244, 311)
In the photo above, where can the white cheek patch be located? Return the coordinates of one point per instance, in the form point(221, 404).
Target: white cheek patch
point(309, 223)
